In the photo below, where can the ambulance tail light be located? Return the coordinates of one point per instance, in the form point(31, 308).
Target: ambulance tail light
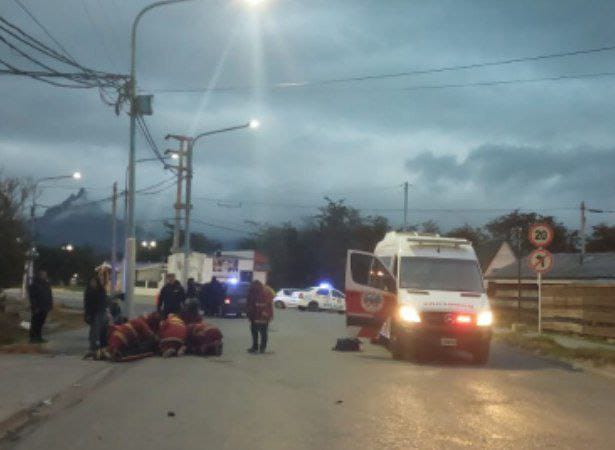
point(463, 319)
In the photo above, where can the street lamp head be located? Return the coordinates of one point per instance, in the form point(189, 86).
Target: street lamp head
point(77, 175)
point(174, 155)
point(254, 123)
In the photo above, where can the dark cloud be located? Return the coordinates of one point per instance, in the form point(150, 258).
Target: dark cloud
point(469, 147)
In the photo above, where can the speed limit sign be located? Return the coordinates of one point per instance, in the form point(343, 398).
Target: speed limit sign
point(540, 235)
point(540, 260)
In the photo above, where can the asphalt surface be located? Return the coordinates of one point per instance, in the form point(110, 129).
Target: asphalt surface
point(302, 395)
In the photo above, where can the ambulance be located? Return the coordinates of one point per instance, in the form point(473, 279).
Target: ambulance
point(418, 293)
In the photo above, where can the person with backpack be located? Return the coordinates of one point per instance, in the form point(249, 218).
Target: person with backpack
point(260, 313)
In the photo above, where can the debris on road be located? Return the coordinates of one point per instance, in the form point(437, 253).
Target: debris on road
point(348, 345)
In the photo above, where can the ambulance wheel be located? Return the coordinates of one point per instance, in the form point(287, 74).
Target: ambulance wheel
point(301, 308)
point(481, 354)
point(280, 304)
point(313, 306)
point(218, 350)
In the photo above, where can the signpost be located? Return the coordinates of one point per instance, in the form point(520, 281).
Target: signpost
point(540, 260)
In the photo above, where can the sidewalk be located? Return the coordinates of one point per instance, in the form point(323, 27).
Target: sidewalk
point(31, 380)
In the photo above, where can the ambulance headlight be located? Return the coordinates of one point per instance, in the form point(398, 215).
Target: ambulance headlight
point(484, 319)
point(409, 314)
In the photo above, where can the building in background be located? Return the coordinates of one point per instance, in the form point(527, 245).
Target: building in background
point(241, 265)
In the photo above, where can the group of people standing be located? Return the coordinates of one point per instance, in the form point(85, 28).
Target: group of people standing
point(259, 308)
point(171, 300)
point(172, 296)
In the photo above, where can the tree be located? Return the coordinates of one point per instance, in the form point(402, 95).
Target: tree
point(62, 265)
point(602, 239)
point(317, 251)
point(476, 235)
point(503, 227)
point(14, 193)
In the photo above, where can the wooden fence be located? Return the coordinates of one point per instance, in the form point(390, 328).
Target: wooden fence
point(577, 308)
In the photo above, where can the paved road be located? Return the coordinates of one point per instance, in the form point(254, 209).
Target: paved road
point(304, 396)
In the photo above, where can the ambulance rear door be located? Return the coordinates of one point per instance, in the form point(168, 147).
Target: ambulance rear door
point(371, 293)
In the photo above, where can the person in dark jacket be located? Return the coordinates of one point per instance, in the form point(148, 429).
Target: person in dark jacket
point(260, 313)
point(218, 292)
point(41, 302)
point(95, 309)
point(211, 297)
point(172, 297)
point(190, 288)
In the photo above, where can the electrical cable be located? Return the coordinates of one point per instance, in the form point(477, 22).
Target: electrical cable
point(495, 63)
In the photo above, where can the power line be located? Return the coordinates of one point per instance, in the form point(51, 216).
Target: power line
point(151, 142)
point(45, 30)
point(495, 63)
point(242, 203)
point(512, 81)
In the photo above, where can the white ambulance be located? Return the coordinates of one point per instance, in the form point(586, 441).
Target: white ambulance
point(418, 293)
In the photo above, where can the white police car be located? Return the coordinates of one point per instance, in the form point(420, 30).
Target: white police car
point(319, 298)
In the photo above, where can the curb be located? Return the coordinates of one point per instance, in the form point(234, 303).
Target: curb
point(573, 365)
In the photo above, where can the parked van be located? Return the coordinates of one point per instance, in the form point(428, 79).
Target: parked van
point(418, 293)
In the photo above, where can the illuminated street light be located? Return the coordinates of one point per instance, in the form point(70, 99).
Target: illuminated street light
point(149, 244)
point(174, 155)
point(68, 247)
point(134, 111)
point(29, 267)
point(189, 153)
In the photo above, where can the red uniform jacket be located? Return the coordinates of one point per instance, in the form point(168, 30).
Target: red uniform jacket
point(259, 304)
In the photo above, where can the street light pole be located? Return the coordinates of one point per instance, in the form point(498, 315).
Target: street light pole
point(29, 266)
point(191, 141)
point(130, 245)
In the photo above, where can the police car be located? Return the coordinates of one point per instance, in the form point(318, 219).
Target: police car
point(318, 298)
point(284, 298)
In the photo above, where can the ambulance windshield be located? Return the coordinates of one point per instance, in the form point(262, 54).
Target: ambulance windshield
point(440, 274)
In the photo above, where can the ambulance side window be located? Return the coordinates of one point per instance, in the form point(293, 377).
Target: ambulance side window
point(368, 270)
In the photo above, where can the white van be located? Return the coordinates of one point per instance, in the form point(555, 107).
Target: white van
point(419, 292)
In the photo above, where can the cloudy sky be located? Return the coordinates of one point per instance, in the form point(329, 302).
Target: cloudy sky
point(535, 145)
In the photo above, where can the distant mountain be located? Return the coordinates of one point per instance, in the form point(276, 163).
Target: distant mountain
point(78, 221)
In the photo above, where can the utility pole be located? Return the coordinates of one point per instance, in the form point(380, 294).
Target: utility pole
point(114, 239)
point(519, 233)
point(583, 224)
point(406, 205)
point(178, 201)
point(185, 145)
point(190, 141)
point(188, 205)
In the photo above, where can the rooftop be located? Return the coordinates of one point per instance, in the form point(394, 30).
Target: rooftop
point(566, 266)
